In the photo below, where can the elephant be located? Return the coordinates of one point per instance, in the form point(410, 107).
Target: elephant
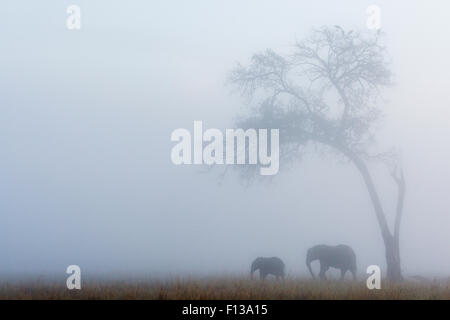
point(266, 266)
point(340, 257)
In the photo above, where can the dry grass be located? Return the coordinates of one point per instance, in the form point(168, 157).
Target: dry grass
point(224, 288)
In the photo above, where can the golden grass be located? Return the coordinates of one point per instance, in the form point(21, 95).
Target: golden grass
point(234, 288)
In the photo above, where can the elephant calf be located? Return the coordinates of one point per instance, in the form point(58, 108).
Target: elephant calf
point(340, 257)
point(266, 266)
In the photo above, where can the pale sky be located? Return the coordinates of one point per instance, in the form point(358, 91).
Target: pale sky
point(85, 124)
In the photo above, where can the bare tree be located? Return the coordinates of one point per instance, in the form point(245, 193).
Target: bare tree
point(325, 94)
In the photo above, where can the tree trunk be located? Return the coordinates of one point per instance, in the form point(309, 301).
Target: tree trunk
point(391, 243)
point(400, 180)
point(394, 272)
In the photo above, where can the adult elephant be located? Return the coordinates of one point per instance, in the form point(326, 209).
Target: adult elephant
point(340, 257)
point(266, 266)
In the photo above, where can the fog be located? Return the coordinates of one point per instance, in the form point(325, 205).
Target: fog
point(86, 119)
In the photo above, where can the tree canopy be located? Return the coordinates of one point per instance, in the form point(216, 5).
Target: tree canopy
point(325, 91)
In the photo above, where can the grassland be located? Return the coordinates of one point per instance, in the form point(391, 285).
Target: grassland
point(224, 288)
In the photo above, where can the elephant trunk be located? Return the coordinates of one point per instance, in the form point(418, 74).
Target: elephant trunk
point(309, 259)
point(253, 269)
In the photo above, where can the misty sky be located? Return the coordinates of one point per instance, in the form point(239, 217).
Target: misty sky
point(85, 123)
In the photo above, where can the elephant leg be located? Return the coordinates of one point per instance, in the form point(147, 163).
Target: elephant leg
point(262, 275)
point(343, 271)
point(323, 269)
point(354, 274)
